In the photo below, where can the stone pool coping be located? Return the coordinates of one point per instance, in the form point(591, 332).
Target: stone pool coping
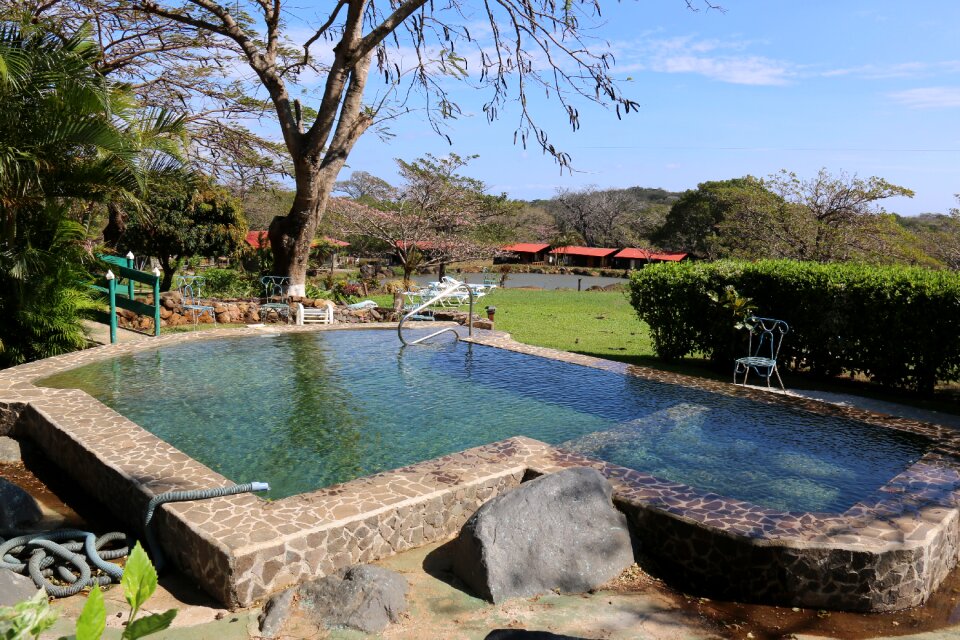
point(886, 554)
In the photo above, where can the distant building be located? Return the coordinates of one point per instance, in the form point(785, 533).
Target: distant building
point(591, 257)
point(638, 258)
point(523, 253)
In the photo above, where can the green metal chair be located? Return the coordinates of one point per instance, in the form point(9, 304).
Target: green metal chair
point(275, 296)
point(191, 291)
point(766, 336)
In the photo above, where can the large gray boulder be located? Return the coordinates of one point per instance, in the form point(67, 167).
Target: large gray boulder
point(15, 588)
point(560, 531)
point(361, 597)
point(17, 507)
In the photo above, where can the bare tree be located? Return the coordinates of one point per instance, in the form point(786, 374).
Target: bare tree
point(526, 46)
point(366, 187)
point(598, 216)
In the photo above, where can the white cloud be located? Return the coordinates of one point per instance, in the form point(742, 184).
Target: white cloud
point(736, 70)
point(901, 70)
point(928, 97)
point(709, 58)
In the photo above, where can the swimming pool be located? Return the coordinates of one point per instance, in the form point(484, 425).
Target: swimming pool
point(307, 410)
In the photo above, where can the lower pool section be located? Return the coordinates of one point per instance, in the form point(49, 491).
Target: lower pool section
point(307, 410)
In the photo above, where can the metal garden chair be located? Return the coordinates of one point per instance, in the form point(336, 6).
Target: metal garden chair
point(191, 290)
point(275, 296)
point(766, 336)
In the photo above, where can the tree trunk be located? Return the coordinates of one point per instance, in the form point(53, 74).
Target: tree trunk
point(116, 225)
point(168, 272)
point(291, 235)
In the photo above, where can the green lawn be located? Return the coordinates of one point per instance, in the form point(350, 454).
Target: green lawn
point(597, 323)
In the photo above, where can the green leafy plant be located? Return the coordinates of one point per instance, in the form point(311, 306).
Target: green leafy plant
point(731, 310)
point(139, 582)
point(28, 619)
point(230, 283)
point(32, 617)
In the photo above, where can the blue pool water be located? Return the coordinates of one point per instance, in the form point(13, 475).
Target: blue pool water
point(307, 410)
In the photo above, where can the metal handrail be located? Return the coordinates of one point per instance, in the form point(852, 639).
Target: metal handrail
point(446, 292)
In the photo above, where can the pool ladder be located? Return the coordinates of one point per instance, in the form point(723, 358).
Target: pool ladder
point(446, 292)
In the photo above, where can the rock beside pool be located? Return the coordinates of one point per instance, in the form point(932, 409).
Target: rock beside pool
point(361, 597)
point(15, 588)
point(275, 613)
point(558, 532)
point(9, 450)
point(17, 507)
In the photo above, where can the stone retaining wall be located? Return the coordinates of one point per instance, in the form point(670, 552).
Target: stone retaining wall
point(239, 311)
point(888, 553)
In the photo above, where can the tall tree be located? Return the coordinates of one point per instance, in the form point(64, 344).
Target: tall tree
point(366, 188)
point(606, 217)
point(693, 223)
point(540, 45)
point(843, 214)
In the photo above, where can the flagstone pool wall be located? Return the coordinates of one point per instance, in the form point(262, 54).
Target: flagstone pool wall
point(888, 554)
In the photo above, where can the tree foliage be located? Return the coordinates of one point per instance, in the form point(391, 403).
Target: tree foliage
point(823, 219)
point(70, 141)
point(187, 215)
point(606, 217)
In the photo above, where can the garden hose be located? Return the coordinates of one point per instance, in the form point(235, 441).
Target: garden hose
point(156, 554)
point(49, 551)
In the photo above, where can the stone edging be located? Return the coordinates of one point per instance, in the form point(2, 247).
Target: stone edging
point(885, 555)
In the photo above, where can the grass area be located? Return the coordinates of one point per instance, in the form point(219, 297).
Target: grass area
point(597, 323)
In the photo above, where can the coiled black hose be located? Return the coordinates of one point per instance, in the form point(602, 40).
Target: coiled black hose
point(156, 553)
point(47, 548)
point(44, 554)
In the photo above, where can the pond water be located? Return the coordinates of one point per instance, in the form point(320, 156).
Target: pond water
point(307, 410)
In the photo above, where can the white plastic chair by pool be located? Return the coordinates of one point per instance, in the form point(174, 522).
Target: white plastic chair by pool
point(321, 315)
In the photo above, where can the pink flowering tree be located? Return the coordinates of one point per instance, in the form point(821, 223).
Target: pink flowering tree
point(438, 216)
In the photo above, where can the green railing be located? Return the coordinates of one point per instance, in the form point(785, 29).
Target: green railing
point(124, 297)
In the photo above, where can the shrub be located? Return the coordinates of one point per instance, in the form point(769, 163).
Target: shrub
point(897, 325)
point(230, 283)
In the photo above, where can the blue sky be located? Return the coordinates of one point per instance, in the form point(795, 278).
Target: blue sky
point(867, 87)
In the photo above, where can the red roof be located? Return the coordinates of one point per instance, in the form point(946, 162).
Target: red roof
point(253, 239)
point(526, 247)
point(643, 254)
point(596, 252)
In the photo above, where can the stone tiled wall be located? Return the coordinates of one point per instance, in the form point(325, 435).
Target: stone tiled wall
point(886, 554)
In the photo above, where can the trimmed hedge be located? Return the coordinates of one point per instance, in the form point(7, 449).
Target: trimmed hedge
point(898, 325)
